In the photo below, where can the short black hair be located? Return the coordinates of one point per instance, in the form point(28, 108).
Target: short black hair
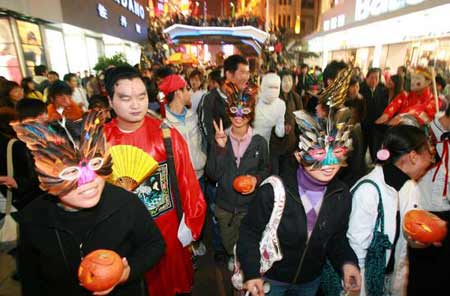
point(441, 81)
point(30, 108)
point(331, 71)
point(353, 80)
point(374, 70)
point(53, 73)
point(69, 76)
point(163, 72)
point(58, 88)
point(216, 75)
point(112, 75)
point(231, 64)
point(24, 84)
point(196, 73)
point(40, 70)
point(98, 101)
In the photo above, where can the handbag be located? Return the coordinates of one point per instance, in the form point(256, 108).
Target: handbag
point(9, 227)
point(375, 263)
point(269, 246)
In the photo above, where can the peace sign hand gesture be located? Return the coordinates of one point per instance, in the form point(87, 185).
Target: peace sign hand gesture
point(221, 137)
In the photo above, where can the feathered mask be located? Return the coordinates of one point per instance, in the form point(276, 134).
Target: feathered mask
point(66, 155)
point(329, 142)
point(240, 103)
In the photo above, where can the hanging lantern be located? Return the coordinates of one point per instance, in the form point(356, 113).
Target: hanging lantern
point(297, 25)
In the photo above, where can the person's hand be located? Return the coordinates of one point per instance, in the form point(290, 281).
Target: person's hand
point(418, 245)
point(395, 121)
point(255, 287)
point(123, 278)
point(287, 128)
point(221, 137)
point(382, 119)
point(252, 189)
point(352, 278)
point(8, 182)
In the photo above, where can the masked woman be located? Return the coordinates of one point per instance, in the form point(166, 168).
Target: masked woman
point(80, 213)
point(317, 206)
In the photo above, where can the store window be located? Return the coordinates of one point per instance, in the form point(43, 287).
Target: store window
point(56, 51)
point(9, 63)
point(94, 48)
point(33, 51)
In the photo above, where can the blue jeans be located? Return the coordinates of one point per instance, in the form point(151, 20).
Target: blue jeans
point(288, 289)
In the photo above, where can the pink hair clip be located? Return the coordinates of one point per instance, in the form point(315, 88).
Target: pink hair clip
point(383, 154)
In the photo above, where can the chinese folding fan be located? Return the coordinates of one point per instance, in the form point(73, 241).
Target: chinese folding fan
point(131, 166)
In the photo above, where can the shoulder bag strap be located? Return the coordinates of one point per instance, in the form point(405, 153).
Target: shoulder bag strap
point(172, 172)
point(380, 216)
point(10, 172)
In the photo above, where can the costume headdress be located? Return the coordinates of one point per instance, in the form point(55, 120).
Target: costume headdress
point(240, 103)
point(326, 143)
point(66, 154)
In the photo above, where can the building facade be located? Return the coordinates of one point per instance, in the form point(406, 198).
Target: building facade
point(68, 35)
point(383, 33)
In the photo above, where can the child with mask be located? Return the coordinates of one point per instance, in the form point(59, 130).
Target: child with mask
point(80, 213)
point(237, 151)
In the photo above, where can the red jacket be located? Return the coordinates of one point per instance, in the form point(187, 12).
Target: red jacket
point(420, 104)
point(174, 273)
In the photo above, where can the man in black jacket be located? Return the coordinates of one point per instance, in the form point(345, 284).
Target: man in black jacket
point(80, 214)
point(237, 71)
point(376, 98)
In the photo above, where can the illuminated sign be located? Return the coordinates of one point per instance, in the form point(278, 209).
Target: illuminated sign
point(133, 6)
point(102, 11)
point(123, 21)
point(367, 8)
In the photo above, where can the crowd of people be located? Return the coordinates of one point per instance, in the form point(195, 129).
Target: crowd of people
point(332, 162)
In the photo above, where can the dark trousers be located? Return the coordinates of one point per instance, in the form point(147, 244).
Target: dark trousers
point(429, 268)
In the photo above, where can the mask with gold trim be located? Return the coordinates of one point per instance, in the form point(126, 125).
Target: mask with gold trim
point(327, 143)
point(67, 154)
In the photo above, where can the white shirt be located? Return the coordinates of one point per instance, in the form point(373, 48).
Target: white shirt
point(79, 97)
point(431, 193)
point(196, 98)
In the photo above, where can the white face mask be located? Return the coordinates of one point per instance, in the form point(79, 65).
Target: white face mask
point(286, 84)
point(270, 88)
point(418, 82)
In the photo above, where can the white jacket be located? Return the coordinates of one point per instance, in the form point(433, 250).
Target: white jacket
point(268, 116)
point(191, 133)
point(362, 223)
point(431, 197)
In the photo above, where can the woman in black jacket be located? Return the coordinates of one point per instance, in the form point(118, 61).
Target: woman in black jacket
point(80, 213)
point(314, 221)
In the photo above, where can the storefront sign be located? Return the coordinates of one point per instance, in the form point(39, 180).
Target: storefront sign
point(133, 6)
point(124, 19)
point(367, 8)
